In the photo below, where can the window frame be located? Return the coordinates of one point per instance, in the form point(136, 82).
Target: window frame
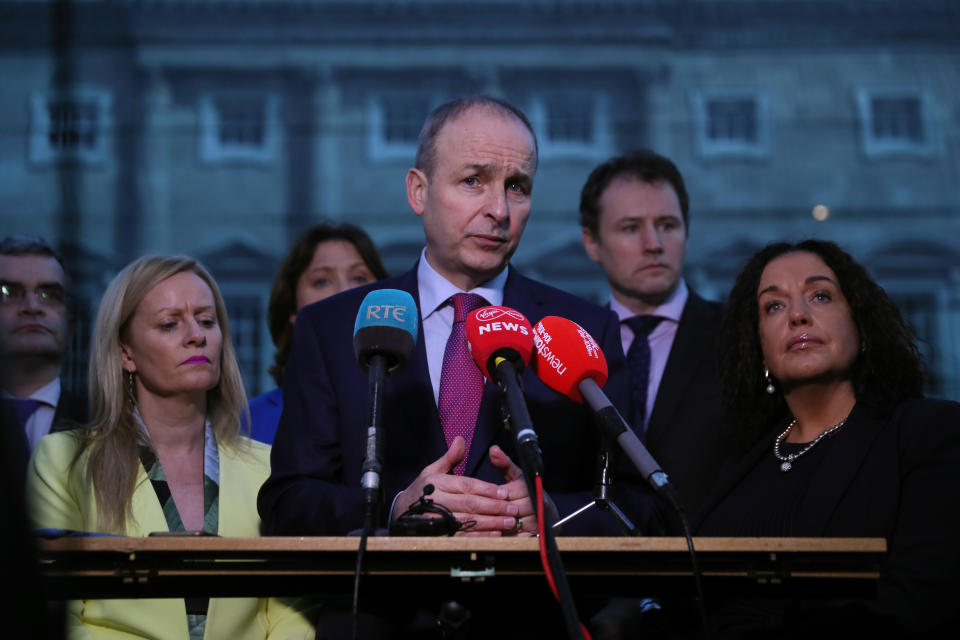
point(378, 147)
point(42, 152)
point(600, 145)
point(211, 148)
point(710, 148)
point(874, 147)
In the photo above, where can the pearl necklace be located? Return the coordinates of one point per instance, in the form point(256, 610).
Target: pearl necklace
point(787, 461)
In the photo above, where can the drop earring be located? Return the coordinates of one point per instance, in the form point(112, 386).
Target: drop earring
point(131, 387)
point(770, 388)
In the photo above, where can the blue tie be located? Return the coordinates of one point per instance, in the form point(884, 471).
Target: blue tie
point(638, 361)
point(25, 408)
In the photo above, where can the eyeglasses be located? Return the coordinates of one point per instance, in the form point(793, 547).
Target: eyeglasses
point(49, 295)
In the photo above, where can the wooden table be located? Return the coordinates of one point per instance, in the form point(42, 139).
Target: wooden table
point(168, 566)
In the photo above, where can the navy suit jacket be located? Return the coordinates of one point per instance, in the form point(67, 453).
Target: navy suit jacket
point(683, 433)
point(314, 487)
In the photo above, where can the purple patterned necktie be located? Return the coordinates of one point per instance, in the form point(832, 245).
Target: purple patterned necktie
point(638, 362)
point(461, 382)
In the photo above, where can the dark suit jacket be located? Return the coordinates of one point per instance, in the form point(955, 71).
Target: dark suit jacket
point(314, 487)
point(683, 433)
point(896, 477)
point(71, 412)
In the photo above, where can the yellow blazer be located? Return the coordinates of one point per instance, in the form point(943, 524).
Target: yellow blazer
point(59, 497)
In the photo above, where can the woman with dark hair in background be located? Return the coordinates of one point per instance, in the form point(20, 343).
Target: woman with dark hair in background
point(325, 260)
point(823, 384)
point(163, 451)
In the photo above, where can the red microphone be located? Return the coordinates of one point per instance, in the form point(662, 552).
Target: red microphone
point(570, 362)
point(501, 342)
point(566, 355)
point(499, 333)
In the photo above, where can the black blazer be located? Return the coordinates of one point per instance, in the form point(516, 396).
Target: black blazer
point(896, 477)
point(71, 412)
point(314, 486)
point(683, 433)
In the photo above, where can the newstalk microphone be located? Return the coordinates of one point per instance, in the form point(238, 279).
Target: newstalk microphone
point(501, 342)
point(384, 337)
point(569, 361)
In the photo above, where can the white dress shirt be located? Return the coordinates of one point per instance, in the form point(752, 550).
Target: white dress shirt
point(660, 339)
point(437, 313)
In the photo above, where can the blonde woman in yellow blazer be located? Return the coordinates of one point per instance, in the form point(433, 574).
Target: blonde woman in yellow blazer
point(166, 399)
point(61, 499)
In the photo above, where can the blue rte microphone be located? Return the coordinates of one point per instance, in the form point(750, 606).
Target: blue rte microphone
point(386, 326)
point(383, 338)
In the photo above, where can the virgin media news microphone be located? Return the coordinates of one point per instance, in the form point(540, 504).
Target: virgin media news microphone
point(384, 337)
point(501, 342)
point(569, 361)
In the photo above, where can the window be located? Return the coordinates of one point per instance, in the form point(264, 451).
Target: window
point(69, 125)
point(246, 332)
point(731, 123)
point(238, 126)
point(571, 124)
point(895, 122)
point(395, 119)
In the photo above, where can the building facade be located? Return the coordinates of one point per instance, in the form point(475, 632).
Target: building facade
point(222, 128)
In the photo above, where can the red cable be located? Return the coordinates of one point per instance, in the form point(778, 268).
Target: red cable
point(541, 524)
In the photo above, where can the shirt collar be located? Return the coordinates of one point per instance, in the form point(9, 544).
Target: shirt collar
point(48, 394)
point(435, 290)
point(672, 309)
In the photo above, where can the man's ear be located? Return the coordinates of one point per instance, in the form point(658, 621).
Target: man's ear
point(417, 190)
point(591, 244)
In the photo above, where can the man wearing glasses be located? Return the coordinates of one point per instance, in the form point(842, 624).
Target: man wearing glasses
point(35, 328)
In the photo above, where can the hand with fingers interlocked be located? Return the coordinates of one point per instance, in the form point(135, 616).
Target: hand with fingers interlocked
point(494, 509)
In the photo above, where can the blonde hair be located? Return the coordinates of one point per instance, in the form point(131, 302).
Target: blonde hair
point(113, 437)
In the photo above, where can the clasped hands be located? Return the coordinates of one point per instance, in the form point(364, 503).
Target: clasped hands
point(495, 509)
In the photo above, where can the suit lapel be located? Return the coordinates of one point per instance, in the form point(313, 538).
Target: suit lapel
point(842, 462)
point(690, 345)
point(413, 390)
point(147, 514)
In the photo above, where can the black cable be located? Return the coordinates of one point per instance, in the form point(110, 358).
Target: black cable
point(678, 509)
point(361, 550)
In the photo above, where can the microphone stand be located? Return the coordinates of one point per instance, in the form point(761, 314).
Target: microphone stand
point(601, 495)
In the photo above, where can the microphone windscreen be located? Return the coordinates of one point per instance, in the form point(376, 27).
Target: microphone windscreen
point(494, 332)
point(387, 326)
point(566, 355)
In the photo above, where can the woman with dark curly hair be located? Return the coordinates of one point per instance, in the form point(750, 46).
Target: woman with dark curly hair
point(823, 384)
point(325, 260)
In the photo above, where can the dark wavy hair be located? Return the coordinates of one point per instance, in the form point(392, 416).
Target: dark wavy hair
point(887, 370)
point(644, 165)
point(283, 296)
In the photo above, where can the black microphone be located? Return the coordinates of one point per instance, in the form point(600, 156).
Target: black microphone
point(569, 361)
point(384, 337)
